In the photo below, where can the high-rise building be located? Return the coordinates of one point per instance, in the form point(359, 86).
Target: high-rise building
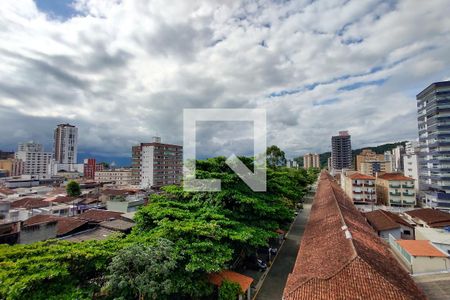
point(410, 162)
point(66, 144)
point(397, 158)
point(35, 160)
point(311, 160)
point(433, 105)
point(156, 164)
point(341, 151)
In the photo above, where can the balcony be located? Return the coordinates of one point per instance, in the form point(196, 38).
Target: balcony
point(395, 193)
point(357, 192)
point(408, 186)
point(394, 186)
point(409, 194)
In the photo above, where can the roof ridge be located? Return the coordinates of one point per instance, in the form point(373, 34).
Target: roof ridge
point(355, 253)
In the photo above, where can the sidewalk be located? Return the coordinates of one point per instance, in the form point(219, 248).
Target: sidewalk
point(273, 285)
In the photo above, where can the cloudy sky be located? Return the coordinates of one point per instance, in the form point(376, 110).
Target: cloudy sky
point(123, 71)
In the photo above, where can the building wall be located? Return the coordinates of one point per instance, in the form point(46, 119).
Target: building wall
point(422, 264)
point(396, 193)
point(433, 105)
point(120, 177)
point(373, 167)
point(360, 191)
point(365, 156)
point(410, 163)
point(35, 160)
point(14, 167)
point(37, 232)
point(311, 160)
point(396, 233)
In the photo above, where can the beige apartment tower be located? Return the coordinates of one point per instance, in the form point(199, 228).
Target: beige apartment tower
point(311, 160)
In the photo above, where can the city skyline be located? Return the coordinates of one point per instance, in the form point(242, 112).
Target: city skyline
point(128, 82)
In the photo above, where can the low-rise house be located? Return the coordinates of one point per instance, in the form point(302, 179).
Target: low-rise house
point(420, 256)
point(9, 232)
point(359, 187)
point(96, 216)
point(65, 225)
point(386, 223)
point(97, 233)
point(395, 189)
point(383, 224)
point(438, 237)
point(36, 232)
point(243, 281)
point(120, 225)
point(125, 205)
point(428, 217)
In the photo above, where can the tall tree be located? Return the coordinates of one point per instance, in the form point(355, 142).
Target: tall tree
point(275, 157)
point(143, 271)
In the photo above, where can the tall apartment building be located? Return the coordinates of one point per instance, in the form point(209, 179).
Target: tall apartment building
point(35, 160)
point(433, 105)
point(156, 164)
point(66, 144)
point(397, 158)
point(341, 151)
point(410, 162)
point(311, 160)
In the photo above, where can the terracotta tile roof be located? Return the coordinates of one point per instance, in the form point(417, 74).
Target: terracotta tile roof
point(341, 257)
point(99, 215)
point(242, 280)
point(65, 225)
point(6, 191)
point(433, 217)
point(420, 248)
point(112, 192)
point(63, 199)
point(381, 221)
point(29, 203)
point(398, 219)
point(394, 176)
point(360, 176)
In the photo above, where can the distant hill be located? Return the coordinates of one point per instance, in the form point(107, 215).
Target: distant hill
point(380, 149)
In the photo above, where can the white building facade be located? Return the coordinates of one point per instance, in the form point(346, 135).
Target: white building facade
point(35, 160)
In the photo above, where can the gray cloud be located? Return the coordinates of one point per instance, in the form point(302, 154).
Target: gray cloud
point(123, 71)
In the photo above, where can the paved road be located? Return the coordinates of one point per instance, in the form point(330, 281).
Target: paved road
point(273, 286)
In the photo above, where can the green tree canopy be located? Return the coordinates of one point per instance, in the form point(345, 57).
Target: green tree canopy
point(275, 157)
point(73, 189)
point(143, 271)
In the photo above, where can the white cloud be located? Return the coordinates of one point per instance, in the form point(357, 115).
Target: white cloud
point(124, 70)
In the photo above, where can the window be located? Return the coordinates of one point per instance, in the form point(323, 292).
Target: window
point(407, 232)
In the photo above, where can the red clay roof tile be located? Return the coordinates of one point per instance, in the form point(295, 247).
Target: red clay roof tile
point(333, 265)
